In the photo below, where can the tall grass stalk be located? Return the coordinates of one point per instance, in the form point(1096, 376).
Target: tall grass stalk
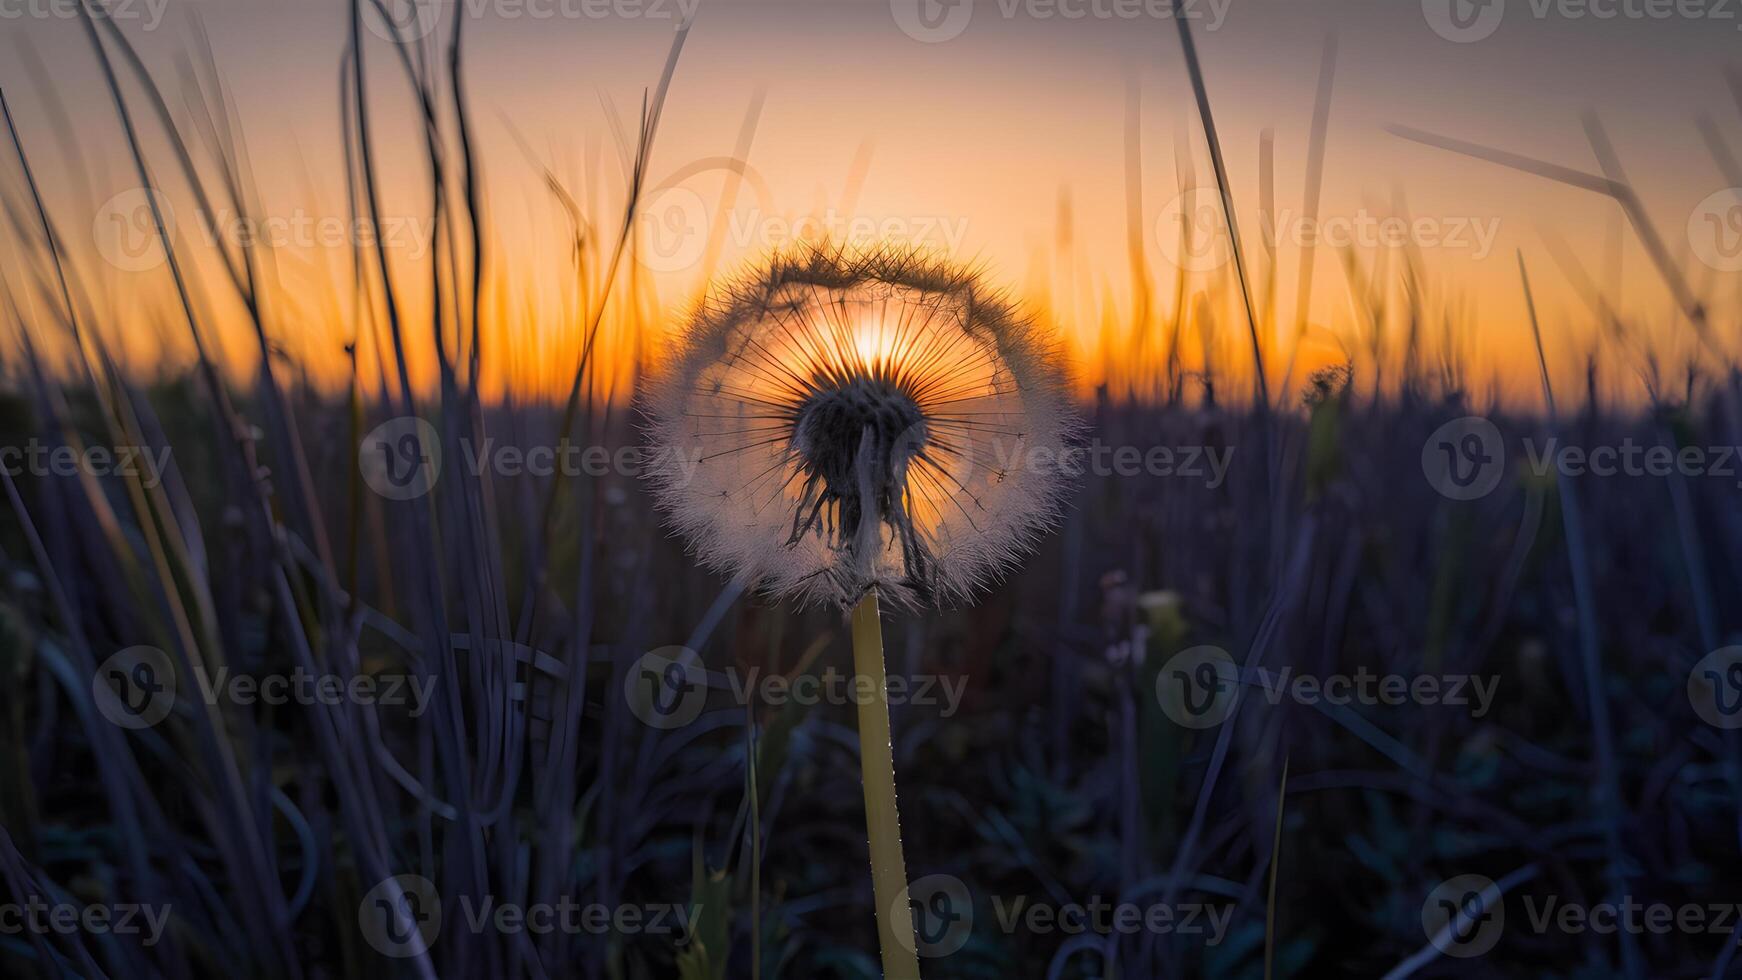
point(882, 821)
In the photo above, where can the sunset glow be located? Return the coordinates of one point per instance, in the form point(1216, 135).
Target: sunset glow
point(1059, 214)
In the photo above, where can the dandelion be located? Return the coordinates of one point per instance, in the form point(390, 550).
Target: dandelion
point(847, 422)
point(845, 425)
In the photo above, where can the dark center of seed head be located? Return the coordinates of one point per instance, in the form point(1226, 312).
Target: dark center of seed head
point(830, 435)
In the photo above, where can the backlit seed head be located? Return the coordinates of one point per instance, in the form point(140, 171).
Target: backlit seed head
point(841, 421)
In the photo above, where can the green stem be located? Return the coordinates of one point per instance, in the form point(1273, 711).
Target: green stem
point(877, 767)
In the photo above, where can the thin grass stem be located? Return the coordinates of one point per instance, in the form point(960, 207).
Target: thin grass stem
point(877, 767)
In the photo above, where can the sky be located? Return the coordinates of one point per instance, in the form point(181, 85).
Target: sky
point(994, 130)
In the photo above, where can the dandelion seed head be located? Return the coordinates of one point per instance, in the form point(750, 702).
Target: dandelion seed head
point(841, 421)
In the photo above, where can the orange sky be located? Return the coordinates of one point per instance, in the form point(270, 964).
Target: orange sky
point(981, 145)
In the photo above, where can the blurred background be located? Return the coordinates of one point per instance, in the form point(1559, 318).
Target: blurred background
point(1049, 140)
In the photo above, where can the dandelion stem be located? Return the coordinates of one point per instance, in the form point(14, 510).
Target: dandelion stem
point(877, 767)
